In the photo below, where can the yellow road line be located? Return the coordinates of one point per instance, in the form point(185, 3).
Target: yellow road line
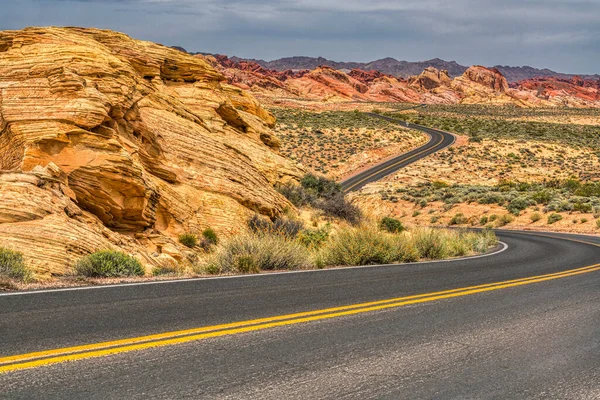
point(393, 165)
point(283, 320)
point(168, 335)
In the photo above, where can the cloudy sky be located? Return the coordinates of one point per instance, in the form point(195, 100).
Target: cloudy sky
point(563, 35)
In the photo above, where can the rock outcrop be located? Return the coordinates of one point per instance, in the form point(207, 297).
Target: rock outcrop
point(107, 141)
point(433, 86)
point(431, 78)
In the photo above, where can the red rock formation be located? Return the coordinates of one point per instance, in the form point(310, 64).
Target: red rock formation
point(478, 84)
point(429, 79)
point(488, 77)
point(365, 76)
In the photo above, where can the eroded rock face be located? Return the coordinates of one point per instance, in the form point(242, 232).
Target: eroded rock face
point(431, 78)
point(147, 139)
point(490, 78)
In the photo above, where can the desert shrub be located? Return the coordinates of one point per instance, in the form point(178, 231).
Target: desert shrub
point(339, 207)
point(210, 236)
point(517, 205)
point(584, 220)
point(12, 266)
point(109, 264)
point(552, 218)
point(188, 239)
point(324, 194)
point(505, 219)
point(535, 217)
point(321, 186)
point(582, 207)
point(367, 246)
point(288, 228)
point(390, 224)
point(249, 253)
point(296, 194)
point(458, 219)
point(314, 238)
point(483, 220)
point(598, 223)
point(431, 243)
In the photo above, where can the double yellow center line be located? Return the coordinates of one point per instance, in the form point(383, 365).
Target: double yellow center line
point(42, 358)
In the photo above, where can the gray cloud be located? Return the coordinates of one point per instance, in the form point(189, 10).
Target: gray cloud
point(558, 34)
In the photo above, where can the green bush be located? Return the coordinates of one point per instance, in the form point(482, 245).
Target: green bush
point(391, 225)
point(517, 205)
point(210, 236)
point(109, 264)
point(535, 217)
point(552, 218)
point(188, 239)
point(598, 223)
point(324, 194)
point(483, 220)
point(252, 253)
point(314, 238)
point(12, 266)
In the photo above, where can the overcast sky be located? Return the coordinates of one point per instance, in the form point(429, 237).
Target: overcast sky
point(563, 35)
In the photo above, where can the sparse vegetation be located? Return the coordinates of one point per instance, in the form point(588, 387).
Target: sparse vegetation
point(12, 266)
point(109, 264)
point(324, 194)
point(339, 135)
point(570, 195)
point(480, 122)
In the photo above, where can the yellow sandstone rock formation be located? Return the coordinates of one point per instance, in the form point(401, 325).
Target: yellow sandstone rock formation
point(111, 142)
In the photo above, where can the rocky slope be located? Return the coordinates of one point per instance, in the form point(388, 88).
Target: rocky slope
point(110, 142)
point(476, 85)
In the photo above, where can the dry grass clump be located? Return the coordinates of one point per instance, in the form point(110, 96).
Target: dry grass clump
point(12, 266)
point(258, 251)
point(252, 253)
point(365, 245)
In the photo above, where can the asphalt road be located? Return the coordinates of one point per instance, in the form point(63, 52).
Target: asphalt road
point(526, 339)
point(439, 140)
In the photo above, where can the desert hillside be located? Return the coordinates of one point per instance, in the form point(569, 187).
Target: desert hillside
point(477, 85)
point(110, 142)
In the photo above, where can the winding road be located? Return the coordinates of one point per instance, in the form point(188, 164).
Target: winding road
point(522, 322)
point(438, 140)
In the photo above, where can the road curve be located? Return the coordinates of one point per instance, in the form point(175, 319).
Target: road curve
point(439, 140)
point(524, 338)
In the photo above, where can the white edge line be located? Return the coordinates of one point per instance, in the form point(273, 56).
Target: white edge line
point(120, 285)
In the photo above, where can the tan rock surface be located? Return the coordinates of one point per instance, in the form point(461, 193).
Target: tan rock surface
point(145, 138)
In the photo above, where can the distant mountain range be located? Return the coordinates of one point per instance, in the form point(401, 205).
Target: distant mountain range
point(405, 69)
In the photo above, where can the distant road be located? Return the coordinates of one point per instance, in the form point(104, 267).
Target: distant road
point(520, 324)
point(439, 140)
